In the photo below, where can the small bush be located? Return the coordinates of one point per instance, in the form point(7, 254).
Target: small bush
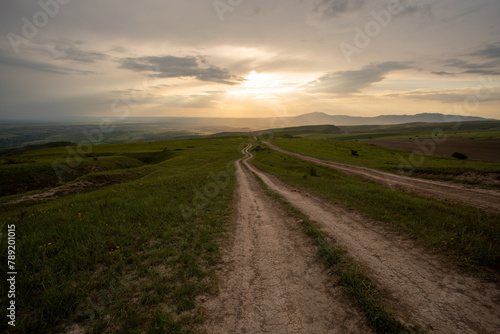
point(459, 155)
point(258, 149)
point(312, 172)
point(354, 153)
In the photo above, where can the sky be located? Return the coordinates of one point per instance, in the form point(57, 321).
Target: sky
point(248, 58)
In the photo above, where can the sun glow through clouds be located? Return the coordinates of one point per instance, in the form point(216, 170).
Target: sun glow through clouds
point(263, 86)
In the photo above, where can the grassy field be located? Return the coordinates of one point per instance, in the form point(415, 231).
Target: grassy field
point(474, 130)
point(27, 170)
point(134, 254)
point(403, 134)
point(20, 133)
point(131, 257)
point(395, 161)
point(468, 235)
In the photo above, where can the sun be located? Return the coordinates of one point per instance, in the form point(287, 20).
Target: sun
point(258, 80)
point(262, 86)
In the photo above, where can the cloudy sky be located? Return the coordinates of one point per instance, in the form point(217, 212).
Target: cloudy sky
point(248, 58)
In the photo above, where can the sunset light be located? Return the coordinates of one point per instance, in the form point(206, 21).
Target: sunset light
point(250, 166)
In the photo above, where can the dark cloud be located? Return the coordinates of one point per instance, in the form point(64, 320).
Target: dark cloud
point(166, 66)
point(482, 72)
point(178, 67)
point(332, 8)
point(38, 66)
point(62, 49)
point(345, 82)
point(75, 54)
point(443, 73)
point(119, 49)
point(488, 68)
point(491, 51)
point(422, 10)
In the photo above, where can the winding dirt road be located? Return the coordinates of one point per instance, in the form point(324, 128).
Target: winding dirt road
point(271, 281)
point(481, 198)
point(422, 289)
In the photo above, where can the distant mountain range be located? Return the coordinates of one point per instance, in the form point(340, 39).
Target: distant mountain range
point(134, 129)
point(316, 118)
point(214, 125)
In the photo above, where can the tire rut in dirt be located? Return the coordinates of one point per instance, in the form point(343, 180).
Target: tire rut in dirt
point(481, 198)
point(436, 297)
point(271, 281)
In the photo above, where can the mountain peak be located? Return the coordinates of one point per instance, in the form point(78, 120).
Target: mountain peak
point(315, 113)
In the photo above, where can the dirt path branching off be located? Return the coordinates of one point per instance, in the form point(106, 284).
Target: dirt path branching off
point(271, 281)
point(436, 297)
point(481, 198)
point(54, 193)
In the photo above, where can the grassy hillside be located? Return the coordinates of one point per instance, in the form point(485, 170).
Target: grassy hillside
point(130, 257)
point(469, 235)
point(28, 168)
point(476, 130)
point(307, 130)
point(18, 134)
point(367, 155)
point(472, 130)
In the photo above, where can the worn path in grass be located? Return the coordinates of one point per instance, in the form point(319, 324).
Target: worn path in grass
point(272, 281)
point(481, 198)
point(53, 193)
point(423, 290)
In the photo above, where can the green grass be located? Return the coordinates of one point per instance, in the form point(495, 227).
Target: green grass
point(352, 277)
point(125, 258)
point(17, 134)
point(395, 161)
point(476, 130)
point(468, 235)
point(34, 169)
point(24, 177)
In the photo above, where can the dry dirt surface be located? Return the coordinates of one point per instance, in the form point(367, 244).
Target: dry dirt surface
point(481, 149)
point(271, 281)
point(481, 198)
point(56, 192)
point(422, 288)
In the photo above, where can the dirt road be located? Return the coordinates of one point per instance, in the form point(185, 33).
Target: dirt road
point(271, 280)
point(481, 198)
point(423, 290)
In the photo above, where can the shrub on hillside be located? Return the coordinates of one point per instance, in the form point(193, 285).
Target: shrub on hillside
point(459, 155)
